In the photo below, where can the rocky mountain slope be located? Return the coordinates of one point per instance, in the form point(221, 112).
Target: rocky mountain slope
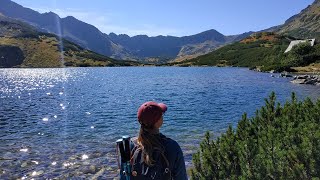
point(21, 45)
point(306, 24)
point(250, 52)
point(266, 49)
point(86, 35)
point(170, 47)
point(158, 49)
point(262, 52)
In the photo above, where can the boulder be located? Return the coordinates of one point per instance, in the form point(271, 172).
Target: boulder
point(10, 56)
point(298, 81)
point(311, 81)
point(306, 79)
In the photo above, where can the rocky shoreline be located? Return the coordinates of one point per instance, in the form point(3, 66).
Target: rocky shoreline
point(297, 79)
point(312, 79)
point(306, 79)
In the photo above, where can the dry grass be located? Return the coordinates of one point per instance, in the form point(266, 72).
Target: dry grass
point(186, 57)
point(264, 36)
point(44, 52)
point(312, 68)
point(38, 52)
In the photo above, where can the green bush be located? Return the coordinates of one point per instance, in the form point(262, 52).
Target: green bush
point(279, 142)
point(301, 55)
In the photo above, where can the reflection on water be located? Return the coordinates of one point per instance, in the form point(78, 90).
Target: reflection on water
point(58, 123)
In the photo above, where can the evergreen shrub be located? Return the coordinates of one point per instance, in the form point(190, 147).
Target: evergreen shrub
point(279, 142)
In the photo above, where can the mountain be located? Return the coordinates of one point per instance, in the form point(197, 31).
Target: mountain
point(306, 24)
point(72, 29)
point(170, 47)
point(190, 51)
point(265, 49)
point(22, 45)
point(252, 51)
point(158, 49)
point(11, 27)
point(262, 51)
point(164, 46)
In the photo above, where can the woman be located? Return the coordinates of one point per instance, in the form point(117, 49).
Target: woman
point(155, 156)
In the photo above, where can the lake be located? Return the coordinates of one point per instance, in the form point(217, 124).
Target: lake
point(58, 123)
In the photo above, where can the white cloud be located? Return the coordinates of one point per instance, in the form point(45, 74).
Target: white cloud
point(105, 24)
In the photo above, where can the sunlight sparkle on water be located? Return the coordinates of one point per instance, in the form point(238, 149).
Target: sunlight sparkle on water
point(84, 157)
point(62, 106)
point(54, 163)
point(24, 150)
point(67, 164)
point(36, 162)
point(45, 119)
point(22, 80)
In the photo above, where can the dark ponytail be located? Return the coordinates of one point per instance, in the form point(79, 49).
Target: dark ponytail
point(149, 141)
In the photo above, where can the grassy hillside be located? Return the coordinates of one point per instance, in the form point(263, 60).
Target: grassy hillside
point(43, 50)
point(264, 50)
point(249, 52)
point(306, 24)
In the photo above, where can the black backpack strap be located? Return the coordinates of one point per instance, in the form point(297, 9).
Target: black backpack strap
point(167, 171)
point(138, 166)
point(136, 159)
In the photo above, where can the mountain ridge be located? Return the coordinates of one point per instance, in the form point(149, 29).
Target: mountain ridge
point(305, 24)
point(21, 45)
point(265, 50)
point(140, 47)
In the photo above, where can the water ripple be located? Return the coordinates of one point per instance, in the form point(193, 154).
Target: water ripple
point(59, 123)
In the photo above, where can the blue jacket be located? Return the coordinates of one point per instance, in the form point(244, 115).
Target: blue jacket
point(175, 157)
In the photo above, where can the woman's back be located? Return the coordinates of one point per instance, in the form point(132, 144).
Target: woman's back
point(155, 156)
point(168, 164)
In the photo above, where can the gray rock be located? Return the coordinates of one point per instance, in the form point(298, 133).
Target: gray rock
point(311, 81)
point(298, 81)
point(25, 164)
point(306, 79)
point(302, 77)
point(2, 171)
point(89, 170)
point(40, 172)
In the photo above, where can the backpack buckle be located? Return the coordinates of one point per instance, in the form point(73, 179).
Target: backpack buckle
point(166, 170)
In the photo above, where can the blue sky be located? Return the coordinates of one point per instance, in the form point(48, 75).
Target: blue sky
point(173, 17)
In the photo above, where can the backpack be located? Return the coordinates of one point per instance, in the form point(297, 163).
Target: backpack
point(141, 171)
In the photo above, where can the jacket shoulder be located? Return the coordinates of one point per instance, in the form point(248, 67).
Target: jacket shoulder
point(169, 142)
